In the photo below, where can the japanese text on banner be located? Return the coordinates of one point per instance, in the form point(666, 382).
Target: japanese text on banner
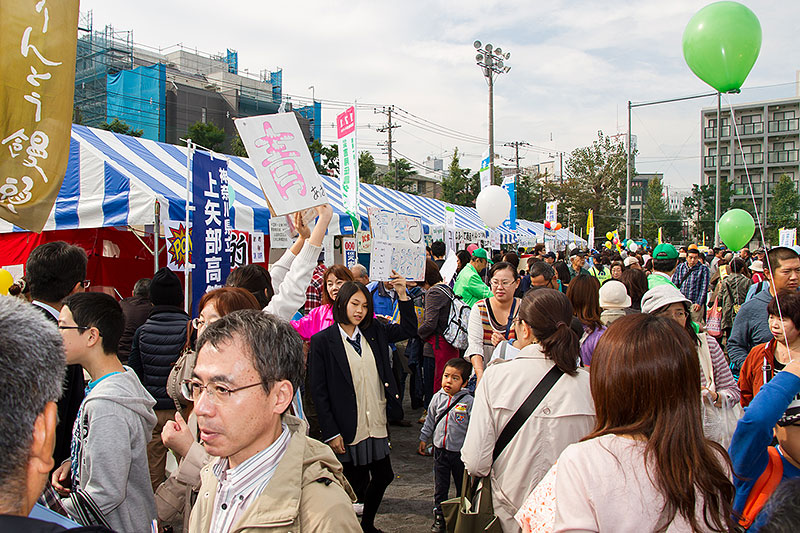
point(348, 163)
point(282, 162)
point(38, 39)
point(211, 251)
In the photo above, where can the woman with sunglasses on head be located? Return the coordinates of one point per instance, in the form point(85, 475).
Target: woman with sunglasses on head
point(354, 389)
point(549, 348)
point(646, 465)
point(491, 318)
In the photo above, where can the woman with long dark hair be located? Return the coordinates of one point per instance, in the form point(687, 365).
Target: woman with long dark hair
point(635, 280)
point(584, 295)
point(563, 417)
point(646, 466)
point(354, 389)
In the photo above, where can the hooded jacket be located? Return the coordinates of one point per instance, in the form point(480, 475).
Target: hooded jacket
point(308, 492)
point(157, 344)
point(116, 424)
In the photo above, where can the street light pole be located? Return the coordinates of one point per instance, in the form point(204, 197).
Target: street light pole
point(491, 60)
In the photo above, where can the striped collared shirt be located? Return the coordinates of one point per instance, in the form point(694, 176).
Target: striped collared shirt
point(240, 486)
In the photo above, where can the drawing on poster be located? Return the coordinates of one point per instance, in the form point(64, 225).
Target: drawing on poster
point(397, 244)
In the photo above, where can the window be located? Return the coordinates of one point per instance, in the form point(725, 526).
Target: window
point(783, 115)
point(203, 114)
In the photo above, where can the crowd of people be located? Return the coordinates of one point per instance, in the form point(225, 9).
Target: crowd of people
point(648, 390)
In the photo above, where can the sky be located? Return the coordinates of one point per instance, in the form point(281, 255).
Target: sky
point(574, 66)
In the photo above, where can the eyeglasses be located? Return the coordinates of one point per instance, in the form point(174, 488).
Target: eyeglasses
point(73, 327)
point(86, 283)
point(198, 323)
point(218, 394)
point(504, 283)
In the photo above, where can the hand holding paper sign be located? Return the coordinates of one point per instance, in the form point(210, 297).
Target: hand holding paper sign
point(399, 286)
point(300, 226)
point(325, 212)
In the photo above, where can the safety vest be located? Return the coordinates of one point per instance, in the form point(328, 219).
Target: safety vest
point(601, 274)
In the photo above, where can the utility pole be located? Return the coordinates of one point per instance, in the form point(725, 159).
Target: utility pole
point(388, 128)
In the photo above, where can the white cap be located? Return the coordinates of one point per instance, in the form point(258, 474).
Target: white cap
point(661, 296)
point(757, 266)
point(614, 295)
point(630, 260)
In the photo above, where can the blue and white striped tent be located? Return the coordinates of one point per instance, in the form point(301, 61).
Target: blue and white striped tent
point(115, 180)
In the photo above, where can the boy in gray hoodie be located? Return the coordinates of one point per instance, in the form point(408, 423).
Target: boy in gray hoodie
point(109, 440)
point(446, 422)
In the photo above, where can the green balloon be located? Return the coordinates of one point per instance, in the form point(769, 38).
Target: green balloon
point(721, 44)
point(736, 228)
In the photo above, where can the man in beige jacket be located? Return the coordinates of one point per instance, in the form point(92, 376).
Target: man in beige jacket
point(267, 475)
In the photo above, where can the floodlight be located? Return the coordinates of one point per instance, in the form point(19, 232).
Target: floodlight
point(477, 45)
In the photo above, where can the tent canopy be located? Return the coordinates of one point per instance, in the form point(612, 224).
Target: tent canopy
point(115, 180)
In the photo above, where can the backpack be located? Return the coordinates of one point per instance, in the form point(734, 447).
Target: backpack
point(763, 488)
point(457, 320)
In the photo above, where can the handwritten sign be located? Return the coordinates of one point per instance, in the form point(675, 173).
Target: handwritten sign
point(257, 246)
point(348, 163)
point(397, 244)
point(787, 237)
point(282, 162)
point(240, 248)
point(364, 242)
point(38, 40)
point(279, 233)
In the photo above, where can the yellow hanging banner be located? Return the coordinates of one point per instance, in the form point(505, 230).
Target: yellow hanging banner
point(38, 41)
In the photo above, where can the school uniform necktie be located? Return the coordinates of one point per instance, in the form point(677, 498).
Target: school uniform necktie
point(356, 343)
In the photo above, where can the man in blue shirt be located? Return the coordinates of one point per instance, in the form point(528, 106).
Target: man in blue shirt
point(692, 279)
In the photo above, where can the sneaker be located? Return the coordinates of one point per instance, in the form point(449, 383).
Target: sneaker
point(358, 508)
point(423, 417)
point(439, 525)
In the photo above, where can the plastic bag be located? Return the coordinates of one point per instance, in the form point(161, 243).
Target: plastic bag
point(719, 423)
point(714, 320)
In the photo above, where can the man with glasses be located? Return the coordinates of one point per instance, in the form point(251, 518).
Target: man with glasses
point(55, 270)
point(268, 473)
point(115, 421)
point(156, 346)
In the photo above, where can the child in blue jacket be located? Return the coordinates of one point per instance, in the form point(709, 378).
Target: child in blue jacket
point(775, 411)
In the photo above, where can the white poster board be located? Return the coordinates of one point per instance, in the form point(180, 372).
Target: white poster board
point(364, 242)
point(257, 246)
point(283, 164)
point(280, 235)
point(450, 239)
point(397, 244)
point(787, 237)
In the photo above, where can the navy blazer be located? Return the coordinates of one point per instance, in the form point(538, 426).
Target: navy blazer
point(332, 383)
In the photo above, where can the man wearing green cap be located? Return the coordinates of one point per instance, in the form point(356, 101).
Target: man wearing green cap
point(665, 259)
point(469, 285)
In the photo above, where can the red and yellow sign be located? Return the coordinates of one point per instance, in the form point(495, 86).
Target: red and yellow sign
point(38, 40)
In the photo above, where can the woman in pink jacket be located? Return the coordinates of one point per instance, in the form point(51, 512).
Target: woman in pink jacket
point(321, 317)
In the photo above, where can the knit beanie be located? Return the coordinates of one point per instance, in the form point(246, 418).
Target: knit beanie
point(165, 289)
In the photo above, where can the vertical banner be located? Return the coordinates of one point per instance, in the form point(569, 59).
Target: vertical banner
point(211, 255)
point(284, 166)
point(551, 212)
point(510, 185)
point(486, 179)
point(590, 228)
point(240, 248)
point(348, 163)
point(349, 250)
point(660, 239)
point(175, 235)
point(38, 43)
point(257, 246)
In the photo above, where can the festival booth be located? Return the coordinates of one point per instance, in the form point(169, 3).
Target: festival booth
point(116, 187)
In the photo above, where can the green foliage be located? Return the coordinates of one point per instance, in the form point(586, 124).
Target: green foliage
point(117, 126)
point(367, 169)
point(207, 135)
point(700, 207)
point(237, 146)
point(783, 207)
point(595, 180)
point(399, 177)
point(656, 214)
point(328, 157)
point(533, 192)
point(457, 184)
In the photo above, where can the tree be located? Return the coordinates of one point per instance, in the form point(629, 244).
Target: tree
point(456, 185)
point(207, 135)
point(399, 177)
point(325, 157)
point(367, 169)
point(595, 178)
point(237, 146)
point(533, 193)
point(118, 126)
point(656, 214)
point(783, 207)
point(701, 208)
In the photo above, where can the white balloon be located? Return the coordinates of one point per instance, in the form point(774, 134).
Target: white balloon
point(633, 247)
point(493, 205)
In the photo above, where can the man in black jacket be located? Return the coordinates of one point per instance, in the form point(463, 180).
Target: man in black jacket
point(55, 270)
point(136, 309)
point(156, 346)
